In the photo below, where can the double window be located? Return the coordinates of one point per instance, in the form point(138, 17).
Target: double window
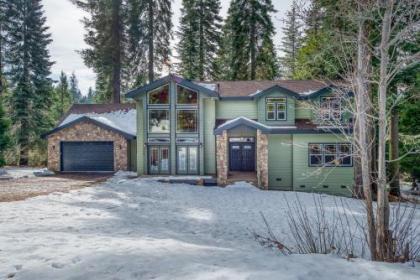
point(276, 109)
point(330, 108)
point(330, 154)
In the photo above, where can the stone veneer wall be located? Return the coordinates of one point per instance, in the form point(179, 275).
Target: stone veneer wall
point(87, 131)
point(262, 160)
point(222, 158)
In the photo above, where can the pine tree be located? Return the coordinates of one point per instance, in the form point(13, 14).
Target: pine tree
point(199, 38)
point(28, 62)
point(291, 41)
point(75, 93)
point(248, 40)
point(104, 37)
point(4, 131)
point(64, 97)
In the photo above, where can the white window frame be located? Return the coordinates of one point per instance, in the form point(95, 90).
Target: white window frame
point(275, 103)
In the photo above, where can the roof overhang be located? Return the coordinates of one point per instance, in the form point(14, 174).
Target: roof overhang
point(243, 121)
point(165, 80)
point(93, 121)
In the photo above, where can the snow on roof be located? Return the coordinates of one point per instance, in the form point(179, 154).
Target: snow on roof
point(309, 92)
point(209, 86)
point(124, 120)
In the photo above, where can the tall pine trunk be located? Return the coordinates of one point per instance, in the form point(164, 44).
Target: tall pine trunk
point(253, 44)
point(116, 50)
point(394, 154)
point(201, 44)
point(151, 41)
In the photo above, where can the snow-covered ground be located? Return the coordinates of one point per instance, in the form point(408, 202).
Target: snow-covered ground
point(143, 229)
point(22, 172)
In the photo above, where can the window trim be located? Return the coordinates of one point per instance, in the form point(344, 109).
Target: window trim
point(337, 154)
point(276, 111)
point(330, 111)
point(148, 120)
point(197, 120)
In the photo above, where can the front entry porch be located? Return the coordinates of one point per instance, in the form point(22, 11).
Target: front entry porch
point(246, 176)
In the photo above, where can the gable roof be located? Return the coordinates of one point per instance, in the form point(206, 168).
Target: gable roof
point(120, 118)
point(171, 78)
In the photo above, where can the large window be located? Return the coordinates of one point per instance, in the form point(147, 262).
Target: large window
point(186, 121)
point(186, 96)
point(159, 121)
point(159, 159)
point(330, 154)
point(276, 109)
point(330, 108)
point(187, 159)
point(159, 96)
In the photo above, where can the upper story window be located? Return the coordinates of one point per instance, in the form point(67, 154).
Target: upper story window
point(331, 154)
point(186, 121)
point(159, 121)
point(186, 96)
point(330, 108)
point(276, 109)
point(159, 96)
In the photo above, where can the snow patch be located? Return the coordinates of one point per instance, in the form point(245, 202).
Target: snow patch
point(122, 120)
point(212, 87)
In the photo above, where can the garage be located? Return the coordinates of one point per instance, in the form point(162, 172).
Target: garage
point(87, 156)
point(94, 138)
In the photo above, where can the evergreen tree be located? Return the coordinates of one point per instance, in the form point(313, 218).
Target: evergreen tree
point(75, 93)
point(291, 41)
point(90, 99)
point(248, 41)
point(28, 62)
point(64, 97)
point(104, 37)
point(199, 38)
point(4, 132)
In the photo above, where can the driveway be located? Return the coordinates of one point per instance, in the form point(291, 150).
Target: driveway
point(22, 187)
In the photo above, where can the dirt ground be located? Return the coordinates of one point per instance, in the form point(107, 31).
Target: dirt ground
point(22, 188)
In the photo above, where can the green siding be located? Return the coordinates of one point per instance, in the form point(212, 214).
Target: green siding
point(280, 162)
point(230, 109)
point(209, 137)
point(242, 131)
point(314, 178)
point(303, 110)
point(290, 109)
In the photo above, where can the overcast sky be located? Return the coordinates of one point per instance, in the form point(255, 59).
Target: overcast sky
point(63, 18)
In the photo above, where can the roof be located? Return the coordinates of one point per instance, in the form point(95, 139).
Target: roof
point(302, 89)
point(301, 127)
point(120, 118)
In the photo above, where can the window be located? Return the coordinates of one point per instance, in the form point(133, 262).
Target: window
point(158, 159)
point(330, 108)
point(186, 121)
point(330, 154)
point(159, 96)
point(186, 96)
point(315, 154)
point(276, 109)
point(159, 121)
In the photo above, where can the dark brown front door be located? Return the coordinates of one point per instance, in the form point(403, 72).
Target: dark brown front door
point(241, 156)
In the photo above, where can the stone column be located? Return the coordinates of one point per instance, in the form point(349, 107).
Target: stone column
point(262, 160)
point(222, 158)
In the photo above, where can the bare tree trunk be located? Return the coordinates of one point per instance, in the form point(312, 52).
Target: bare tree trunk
point(116, 51)
point(358, 182)
point(201, 45)
point(394, 154)
point(382, 218)
point(151, 42)
point(363, 108)
point(253, 43)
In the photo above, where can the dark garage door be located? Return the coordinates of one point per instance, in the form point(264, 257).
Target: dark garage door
point(87, 156)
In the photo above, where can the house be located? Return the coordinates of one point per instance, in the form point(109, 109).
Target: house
point(266, 128)
point(269, 130)
point(94, 137)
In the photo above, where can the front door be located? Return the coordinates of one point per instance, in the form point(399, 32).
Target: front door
point(241, 156)
point(159, 160)
point(187, 160)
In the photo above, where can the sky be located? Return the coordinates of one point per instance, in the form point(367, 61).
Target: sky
point(67, 31)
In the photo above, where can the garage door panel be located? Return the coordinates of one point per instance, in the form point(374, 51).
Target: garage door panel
point(87, 156)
